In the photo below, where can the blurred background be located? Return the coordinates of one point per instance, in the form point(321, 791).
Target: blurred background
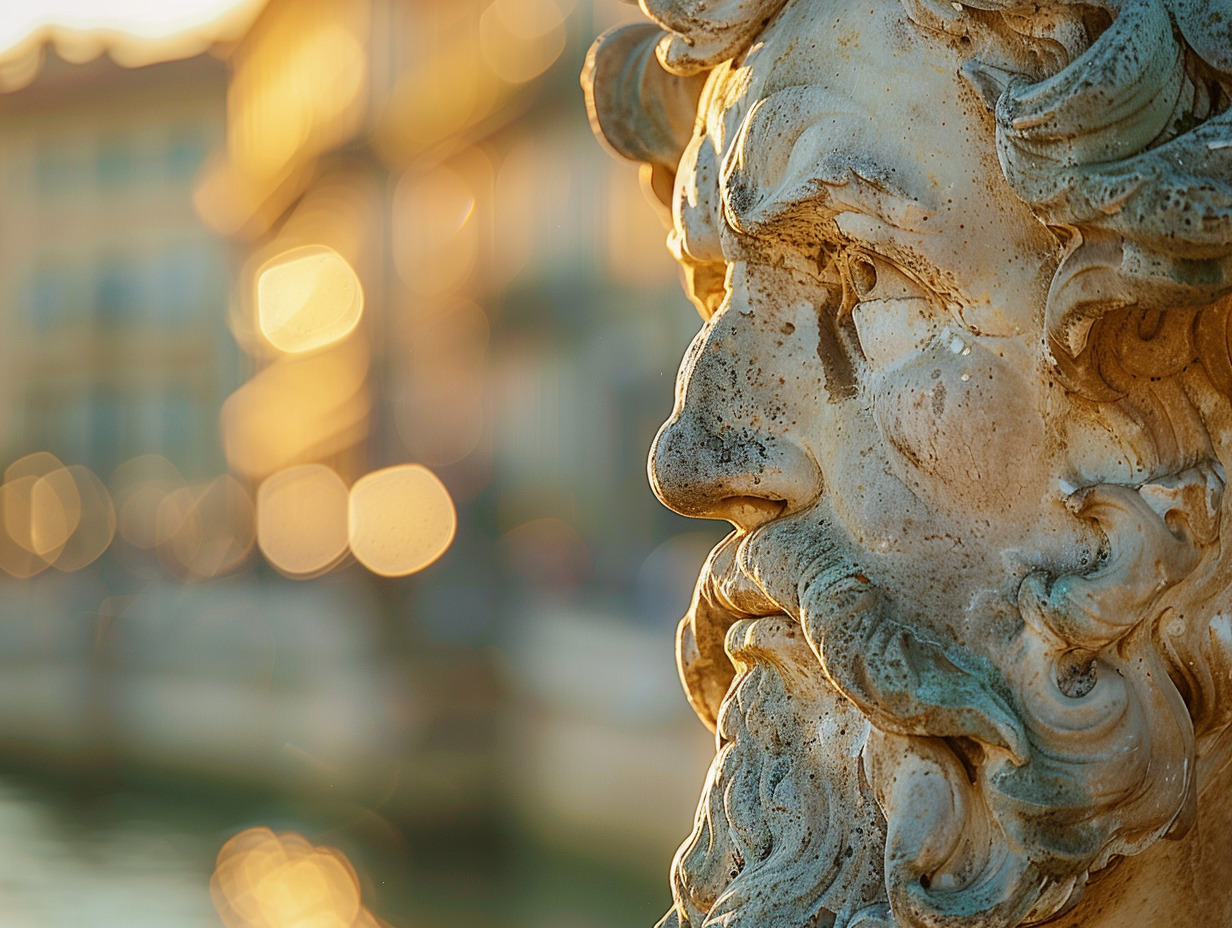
point(332, 592)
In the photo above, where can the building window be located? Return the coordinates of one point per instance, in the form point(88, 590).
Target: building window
point(117, 293)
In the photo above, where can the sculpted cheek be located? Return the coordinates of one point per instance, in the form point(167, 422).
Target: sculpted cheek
point(962, 416)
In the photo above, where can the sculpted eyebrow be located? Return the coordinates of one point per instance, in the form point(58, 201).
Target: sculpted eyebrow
point(784, 164)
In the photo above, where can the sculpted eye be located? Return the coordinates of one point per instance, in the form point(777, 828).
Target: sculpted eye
point(863, 276)
point(893, 314)
point(875, 278)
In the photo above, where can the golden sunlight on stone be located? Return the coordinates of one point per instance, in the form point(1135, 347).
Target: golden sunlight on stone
point(401, 520)
point(307, 298)
point(302, 520)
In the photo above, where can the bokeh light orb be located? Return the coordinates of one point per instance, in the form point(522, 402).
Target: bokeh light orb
point(302, 520)
point(307, 298)
point(264, 879)
point(95, 523)
point(401, 520)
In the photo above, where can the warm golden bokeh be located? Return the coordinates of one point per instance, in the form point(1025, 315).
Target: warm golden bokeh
point(302, 520)
point(298, 410)
point(268, 880)
point(297, 89)
point(37, 464)
point(307, 298)
point(435, 240)
point(401, 520)
point(205, 530)
point(42, 512)
point(520, 39)
point(17, 554)
point(52, 515)
point(314, 84)
point(139, 486)
point(96, 521)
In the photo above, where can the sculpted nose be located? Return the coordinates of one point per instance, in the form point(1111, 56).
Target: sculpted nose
point(744, 475)
point(731, 448)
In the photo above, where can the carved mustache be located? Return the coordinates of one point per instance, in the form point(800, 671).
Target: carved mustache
point(806, 567)
point(746, 576)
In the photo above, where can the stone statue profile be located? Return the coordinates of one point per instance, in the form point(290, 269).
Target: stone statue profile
point(964, 391)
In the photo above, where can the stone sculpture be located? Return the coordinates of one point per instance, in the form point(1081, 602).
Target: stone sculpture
point(964, 391)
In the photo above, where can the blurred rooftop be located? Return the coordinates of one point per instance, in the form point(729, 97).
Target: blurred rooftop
point(132, 33)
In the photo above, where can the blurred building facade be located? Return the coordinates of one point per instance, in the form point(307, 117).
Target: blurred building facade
point(521, 328)
point(109, 282)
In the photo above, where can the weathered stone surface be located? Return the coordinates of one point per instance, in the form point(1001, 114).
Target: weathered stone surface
point(964, 391)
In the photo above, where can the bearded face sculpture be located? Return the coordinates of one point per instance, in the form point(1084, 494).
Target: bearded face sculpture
point(963, 391)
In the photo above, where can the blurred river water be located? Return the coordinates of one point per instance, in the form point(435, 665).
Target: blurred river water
point(119, 857)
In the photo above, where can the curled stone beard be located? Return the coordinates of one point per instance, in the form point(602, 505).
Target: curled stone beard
point(787, 831)
point(1002, 775)
point(873, 770)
